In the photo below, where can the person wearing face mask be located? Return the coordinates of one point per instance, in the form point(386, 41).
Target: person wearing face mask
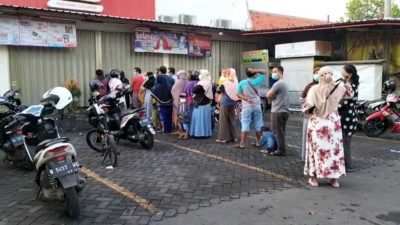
point(347, 111)
point(306, 116)
point(137, 82)
point(279, 95)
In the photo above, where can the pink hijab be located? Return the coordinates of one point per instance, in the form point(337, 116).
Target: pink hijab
point(231, 83)
point(179, 87)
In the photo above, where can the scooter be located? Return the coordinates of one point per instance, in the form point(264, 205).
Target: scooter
point(130, 125)
point(54, 158)
point(366, 108)
point(389, 116)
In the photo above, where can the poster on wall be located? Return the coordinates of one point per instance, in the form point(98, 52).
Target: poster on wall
point(199, 45)
point(9, 34)
point(160, 41)
point(255, 56)
point(32, 32)
point(61, 35)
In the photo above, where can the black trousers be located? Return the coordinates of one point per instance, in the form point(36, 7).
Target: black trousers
point(278, 121)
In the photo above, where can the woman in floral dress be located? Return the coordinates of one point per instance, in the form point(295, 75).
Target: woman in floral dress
point(325, 156)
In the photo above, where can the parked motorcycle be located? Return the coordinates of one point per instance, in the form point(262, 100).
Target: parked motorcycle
point(10, 103)
point(366, 108)
point(389, 116)
point(130, 125)
point(54, 158)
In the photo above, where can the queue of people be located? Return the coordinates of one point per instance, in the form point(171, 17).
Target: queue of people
point(182, 104)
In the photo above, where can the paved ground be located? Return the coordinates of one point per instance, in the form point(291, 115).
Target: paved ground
point(183, 178)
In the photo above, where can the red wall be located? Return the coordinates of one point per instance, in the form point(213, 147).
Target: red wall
point(141, 9)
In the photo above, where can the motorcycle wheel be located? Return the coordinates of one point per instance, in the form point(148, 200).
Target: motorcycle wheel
point(148, 141)
point(72, 202)
point(374, 128)
point(112, 153)
point(92, 139)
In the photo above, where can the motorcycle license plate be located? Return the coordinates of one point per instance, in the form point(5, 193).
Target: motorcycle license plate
point(17, 140)
point(63, 169)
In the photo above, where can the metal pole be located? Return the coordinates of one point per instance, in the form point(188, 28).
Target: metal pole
point(388, 6)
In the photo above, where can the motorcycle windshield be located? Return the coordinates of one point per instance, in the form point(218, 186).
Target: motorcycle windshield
point(34, 110)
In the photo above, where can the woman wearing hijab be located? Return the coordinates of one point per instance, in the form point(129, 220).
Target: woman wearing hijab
point(177, 90)
point(227, 119)
point(148, 85)
point(162, 93)
point(201, 117)
point(347, 112)
point(305, 116)
point(325, 155)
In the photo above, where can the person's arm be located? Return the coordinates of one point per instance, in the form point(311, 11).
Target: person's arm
point(271, 94)
point(263, 140)
point(242, 96)
point(349, 91)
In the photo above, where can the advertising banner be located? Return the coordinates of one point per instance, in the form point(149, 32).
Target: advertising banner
point(255, 56)
point(62, 35)
point(200, 45)
point(31, 32)
point(160, 41)
point(9, 34)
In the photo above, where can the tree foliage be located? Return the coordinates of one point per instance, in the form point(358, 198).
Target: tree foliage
point(369, 9)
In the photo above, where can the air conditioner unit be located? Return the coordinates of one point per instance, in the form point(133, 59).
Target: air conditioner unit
point(167, 19)
point(187, 19)
point(221, 23)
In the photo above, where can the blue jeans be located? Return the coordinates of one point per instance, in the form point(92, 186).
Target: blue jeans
point(252, 115)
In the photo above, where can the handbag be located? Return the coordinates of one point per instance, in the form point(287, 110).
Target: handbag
point(312, 109)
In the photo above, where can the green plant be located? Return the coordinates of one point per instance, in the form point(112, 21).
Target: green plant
point(75, 90)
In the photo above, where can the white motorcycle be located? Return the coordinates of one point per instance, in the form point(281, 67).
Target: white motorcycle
point(54, 158)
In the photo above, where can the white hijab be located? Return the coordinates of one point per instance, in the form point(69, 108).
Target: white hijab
point(205, 82)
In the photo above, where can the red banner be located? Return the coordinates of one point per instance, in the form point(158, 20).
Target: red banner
point(199, 45)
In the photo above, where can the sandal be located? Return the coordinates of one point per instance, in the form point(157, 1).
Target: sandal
point(313, 182)
point(334, 183)
point(221, 141)
point(239, 146)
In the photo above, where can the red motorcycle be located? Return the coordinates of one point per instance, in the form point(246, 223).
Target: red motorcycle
point(389, 116)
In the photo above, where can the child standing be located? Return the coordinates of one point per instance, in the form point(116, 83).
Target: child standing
point(184, 117)
point(268, 141)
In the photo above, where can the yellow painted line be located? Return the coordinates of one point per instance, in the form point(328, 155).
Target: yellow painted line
point(228, 161)
point(136, 198)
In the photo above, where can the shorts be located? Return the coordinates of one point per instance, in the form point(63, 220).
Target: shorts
point(252, 115)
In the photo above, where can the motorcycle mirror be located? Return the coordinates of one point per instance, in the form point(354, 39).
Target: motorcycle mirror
point(14, 83)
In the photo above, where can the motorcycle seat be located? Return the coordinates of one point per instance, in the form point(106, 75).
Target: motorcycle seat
point(128, 112)
point(46, 143)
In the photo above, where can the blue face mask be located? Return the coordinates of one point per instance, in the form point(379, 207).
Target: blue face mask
point(275, 76)
point(316, 77)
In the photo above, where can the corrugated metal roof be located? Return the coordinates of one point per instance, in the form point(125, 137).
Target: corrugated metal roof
point(329, 26)
point(93, 15)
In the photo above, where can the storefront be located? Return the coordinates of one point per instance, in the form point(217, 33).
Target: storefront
point(106, 42)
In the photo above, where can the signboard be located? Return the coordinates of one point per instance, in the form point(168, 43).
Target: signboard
point(303, 49)
point(255, 56)
point(30, 32)
point(61, 35)
point(160, 41)
point(9, 34)
point(199, 45)
point(82, 5)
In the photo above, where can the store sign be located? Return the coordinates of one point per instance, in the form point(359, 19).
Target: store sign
point(34, 32)
point(160, 41)
point(81, 5)
point(255, 56)
point(199, 45)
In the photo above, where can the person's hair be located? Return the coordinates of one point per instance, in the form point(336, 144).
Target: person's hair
point(249, 73)
point(171, 70)
point(280, 68)
point(163, 69)
point(351, 69)
point(149, 73)
point(122, 74)
point(265, 129)
point(99, 72)
point(137, 69)
point(194, 76)
point(316, 69)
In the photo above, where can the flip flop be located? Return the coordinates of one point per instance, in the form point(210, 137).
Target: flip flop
point(221, 141)
point(240, 146)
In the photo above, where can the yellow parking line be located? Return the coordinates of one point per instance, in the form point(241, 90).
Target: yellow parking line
point(228, 161)
point(136, 198)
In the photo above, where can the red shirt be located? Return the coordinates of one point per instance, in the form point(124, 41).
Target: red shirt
point(137, 82)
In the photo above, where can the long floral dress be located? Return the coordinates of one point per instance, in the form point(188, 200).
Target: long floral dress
point(325, 155)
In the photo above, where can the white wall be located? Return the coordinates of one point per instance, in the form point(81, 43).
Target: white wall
point(4, 70)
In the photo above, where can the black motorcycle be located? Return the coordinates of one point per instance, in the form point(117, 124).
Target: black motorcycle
point(130, 125)
point(10, 103)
